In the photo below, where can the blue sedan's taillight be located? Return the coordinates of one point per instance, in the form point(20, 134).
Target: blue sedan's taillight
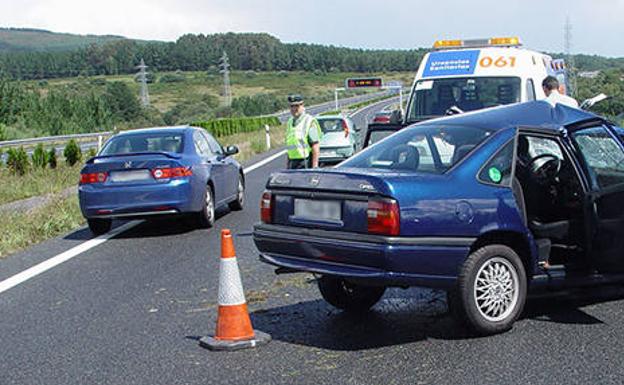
point(93, 177)
point(383, 216)
point(171, 172)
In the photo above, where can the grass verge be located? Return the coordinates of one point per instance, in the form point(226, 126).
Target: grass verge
point(20, 230)
point(37, 182)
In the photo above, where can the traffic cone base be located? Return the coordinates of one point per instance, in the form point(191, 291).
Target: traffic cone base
point(234, 330)
point(260, 338)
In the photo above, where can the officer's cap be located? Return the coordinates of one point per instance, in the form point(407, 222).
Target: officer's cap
point(295, 99)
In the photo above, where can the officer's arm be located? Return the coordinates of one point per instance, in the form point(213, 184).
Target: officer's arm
point(316, 151)
point(314, 140)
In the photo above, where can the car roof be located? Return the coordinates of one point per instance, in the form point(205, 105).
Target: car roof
point(323, 117)
point(536, 114)
point(166, 129)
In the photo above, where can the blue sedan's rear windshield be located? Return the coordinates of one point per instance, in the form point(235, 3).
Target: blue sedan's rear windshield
point(430, 149)
point(153, 141)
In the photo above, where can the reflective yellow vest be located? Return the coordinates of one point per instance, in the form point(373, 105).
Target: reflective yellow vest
point(297, 137)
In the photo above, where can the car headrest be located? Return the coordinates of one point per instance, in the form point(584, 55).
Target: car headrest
point(461, 151)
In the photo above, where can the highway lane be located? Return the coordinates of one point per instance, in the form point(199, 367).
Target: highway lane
point(130, 311)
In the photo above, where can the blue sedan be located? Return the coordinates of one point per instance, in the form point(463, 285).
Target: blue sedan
point(485, 205)
point(160, 171)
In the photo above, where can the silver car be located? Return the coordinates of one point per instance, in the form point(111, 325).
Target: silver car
point(340, 139)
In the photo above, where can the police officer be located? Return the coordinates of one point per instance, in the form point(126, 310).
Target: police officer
point(302, 136)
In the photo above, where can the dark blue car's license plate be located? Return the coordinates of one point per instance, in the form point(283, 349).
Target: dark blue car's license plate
point(318, 209)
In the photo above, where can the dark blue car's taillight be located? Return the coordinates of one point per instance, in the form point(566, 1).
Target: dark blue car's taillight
point(383, 216)
point(266, 207)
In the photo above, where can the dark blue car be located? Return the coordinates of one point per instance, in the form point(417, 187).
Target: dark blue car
point(160, 171)
point(484, 205)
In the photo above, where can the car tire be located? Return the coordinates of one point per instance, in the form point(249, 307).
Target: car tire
point(491, 290)
point(348, 296)
point(239, 202)
point(206, 217)
point(99, 226)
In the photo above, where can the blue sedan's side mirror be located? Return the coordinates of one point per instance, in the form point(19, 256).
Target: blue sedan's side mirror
point(231, 150)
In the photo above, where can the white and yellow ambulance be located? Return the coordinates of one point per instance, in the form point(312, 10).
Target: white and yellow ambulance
point(467, 75)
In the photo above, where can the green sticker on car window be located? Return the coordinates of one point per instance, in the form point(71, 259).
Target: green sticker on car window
point(495, 175)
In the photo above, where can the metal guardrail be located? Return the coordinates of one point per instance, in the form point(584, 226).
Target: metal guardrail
point(95, 135)
point(47, 139)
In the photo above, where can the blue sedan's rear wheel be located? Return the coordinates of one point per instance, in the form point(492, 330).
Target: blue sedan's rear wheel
point(99, 226)
point(491, 290)
point(206, 217)
point(349, 296)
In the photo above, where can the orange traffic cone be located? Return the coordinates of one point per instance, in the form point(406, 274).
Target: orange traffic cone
point(234, 329)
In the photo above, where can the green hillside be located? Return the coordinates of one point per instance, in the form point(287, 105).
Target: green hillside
point(27, 39)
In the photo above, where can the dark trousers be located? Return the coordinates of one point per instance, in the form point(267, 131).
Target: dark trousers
point(298, 163)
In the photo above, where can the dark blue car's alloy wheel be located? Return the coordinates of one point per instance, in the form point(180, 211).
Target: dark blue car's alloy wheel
point(496, 289)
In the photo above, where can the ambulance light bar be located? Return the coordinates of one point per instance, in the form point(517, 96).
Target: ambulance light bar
point(478, 43)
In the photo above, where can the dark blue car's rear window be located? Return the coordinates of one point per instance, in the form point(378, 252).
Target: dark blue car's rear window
point(427, 148)
point(142, 142)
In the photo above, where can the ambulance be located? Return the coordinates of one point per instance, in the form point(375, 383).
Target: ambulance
point(465, 75)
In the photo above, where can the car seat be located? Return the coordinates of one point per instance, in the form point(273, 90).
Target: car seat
point(469, 100)
point(461, 151)
point(505, 94)
point(404, 157)
point(170, 145)
point(544, 233)
point(446, 99)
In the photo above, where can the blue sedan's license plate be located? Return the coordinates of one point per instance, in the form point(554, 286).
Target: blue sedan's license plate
point(130, 176)
point(317, 209)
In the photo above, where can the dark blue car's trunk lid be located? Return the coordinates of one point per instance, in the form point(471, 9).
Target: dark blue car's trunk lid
point(347, 190)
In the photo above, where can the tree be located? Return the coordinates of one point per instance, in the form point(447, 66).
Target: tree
point(121, 101)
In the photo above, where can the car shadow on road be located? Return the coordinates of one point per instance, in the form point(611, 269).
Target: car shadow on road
point(398, 320)
point(566, 306)
point(393, 321)
point(153, 227)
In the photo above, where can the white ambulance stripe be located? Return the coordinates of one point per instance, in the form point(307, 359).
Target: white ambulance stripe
point(230, 285)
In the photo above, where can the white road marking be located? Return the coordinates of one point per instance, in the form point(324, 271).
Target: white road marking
point(264, 161)
point(63, 257)
point(85, 246)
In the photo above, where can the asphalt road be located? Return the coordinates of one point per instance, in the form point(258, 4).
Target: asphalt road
point(130, 311)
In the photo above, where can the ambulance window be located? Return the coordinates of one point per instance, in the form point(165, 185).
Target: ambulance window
point(530, 90)
point(434, 97)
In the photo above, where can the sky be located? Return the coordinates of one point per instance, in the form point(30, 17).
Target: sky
point(597, 25)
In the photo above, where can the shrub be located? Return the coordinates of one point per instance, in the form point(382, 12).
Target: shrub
point(223, 127)
point(17, 161)
point(3, 133)
point(172, 78)
point(98, 82)
point(250, 74)
point(149, 77)
point(72, 153)
point(283, 73)
point(52, 158)
point(91, 152)
point(39, 158)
